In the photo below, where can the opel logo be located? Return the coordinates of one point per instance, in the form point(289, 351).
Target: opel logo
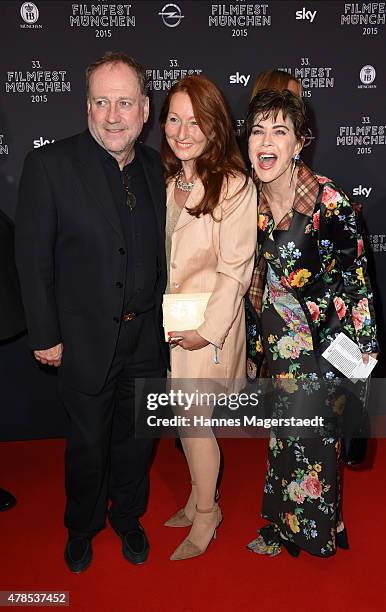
point(171, 15)
point(309, 138)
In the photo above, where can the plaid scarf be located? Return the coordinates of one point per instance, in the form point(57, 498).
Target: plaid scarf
point(306, 192)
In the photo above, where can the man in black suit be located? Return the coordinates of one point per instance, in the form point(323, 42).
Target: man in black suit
point(90, 254)
point(12, 320)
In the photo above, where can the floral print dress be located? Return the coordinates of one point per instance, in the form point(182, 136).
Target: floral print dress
point(309, 284)
point(301, 492)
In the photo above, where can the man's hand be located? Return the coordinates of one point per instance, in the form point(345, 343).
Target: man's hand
point(51, 356)
point(191, 340)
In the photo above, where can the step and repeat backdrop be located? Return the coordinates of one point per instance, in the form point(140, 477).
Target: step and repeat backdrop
point(337, 49)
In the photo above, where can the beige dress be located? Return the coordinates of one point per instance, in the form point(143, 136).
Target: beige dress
point(217, 257)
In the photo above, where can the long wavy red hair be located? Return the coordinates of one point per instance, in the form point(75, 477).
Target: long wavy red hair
point(221, 157)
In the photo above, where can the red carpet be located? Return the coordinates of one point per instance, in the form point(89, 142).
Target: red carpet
point(227, 577)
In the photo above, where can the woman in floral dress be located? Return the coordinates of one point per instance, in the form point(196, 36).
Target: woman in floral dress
point(309, 284)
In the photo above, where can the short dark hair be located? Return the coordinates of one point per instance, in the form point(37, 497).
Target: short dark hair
point(269, 102)
point(115, 57)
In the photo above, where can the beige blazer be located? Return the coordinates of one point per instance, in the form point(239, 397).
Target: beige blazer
point(218, 257)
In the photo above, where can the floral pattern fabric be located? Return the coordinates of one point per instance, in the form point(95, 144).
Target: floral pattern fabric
point(301, 493)
point(322, 262)
point(309, 284)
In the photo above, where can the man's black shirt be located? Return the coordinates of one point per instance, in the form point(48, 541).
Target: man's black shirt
point(139, 229)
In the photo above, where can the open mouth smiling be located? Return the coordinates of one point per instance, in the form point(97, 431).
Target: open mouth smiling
point(266, 160)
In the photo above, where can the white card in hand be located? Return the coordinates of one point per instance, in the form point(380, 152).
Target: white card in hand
point(345, 356)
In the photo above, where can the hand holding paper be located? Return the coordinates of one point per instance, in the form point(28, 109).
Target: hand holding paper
point(346, 357)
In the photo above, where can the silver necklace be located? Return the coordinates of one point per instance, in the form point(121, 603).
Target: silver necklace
point(181, 184)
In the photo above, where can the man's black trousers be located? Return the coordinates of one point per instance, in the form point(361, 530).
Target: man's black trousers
point(103, 459)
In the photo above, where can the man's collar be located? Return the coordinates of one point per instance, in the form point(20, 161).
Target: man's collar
point(104, 155)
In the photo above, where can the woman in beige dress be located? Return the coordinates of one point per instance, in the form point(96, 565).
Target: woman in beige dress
point(211, 239)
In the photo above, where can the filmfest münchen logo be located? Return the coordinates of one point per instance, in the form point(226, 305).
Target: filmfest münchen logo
point(102, 17)
point(364, 14)
point(162, 79)
point(367, 76)
point(311, 77)
point(29, 12)
point(171, 15)
point(37, 82)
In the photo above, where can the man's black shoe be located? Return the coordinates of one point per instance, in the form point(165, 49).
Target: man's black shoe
point(135, 545)
point(7, 500)
point(78, 554)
